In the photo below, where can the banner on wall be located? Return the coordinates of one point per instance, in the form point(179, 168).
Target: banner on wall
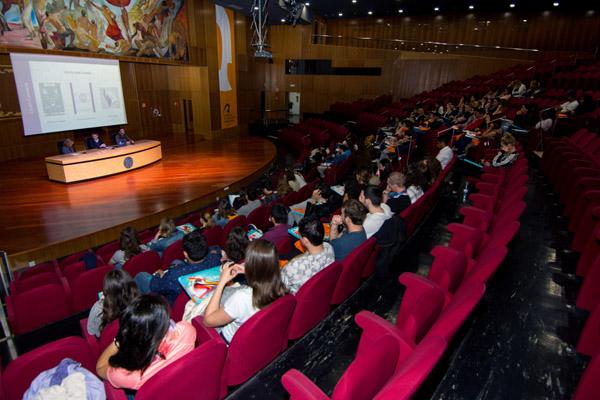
point(227, 67)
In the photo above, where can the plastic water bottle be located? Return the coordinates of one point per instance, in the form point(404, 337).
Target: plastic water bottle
point(465, 192)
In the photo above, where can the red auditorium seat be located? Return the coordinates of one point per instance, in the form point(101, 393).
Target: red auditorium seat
point(588, 388)
point(73, 258)
point(482, 269)
point(420, 307)
point(197, 374)
point(465, 239)
point(257, 216)
point(411, 373)
point(106, 252)
point(86, 286)
point(589, 340)
point(213, 235)
point(178, 308)
point(366, 375)
point(50, 266)
point(352, 267)
point(23, 285)
point(148, 261)
point(22, 371)
point(448, 267)
point(256, 343)
point(313, 300)
point(107, 336)
point(172, 253)
point(33, 309)
point(284, 245)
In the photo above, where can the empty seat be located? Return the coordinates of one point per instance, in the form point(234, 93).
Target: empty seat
point(172, 253)
point(23, 285)
point(352, 267)
point(50, 266)
point(588, 388)
point(39, 306)
point(367, 374)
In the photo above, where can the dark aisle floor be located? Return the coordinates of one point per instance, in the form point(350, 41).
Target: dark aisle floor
point(513, 349)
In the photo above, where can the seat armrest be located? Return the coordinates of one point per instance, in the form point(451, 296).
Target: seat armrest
point(300, 387)
point(113, 393)
point(204, 333)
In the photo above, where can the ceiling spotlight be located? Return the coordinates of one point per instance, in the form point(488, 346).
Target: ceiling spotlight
point(354, 1)
point(282, 19)
point(471, 7)
point(400, 11)
point(436, 9)
point(340, 14)
point(256, 8)
point(370, 13)
point(512, 5)
point(524, 20)
point(307, 4)
point(556, 4)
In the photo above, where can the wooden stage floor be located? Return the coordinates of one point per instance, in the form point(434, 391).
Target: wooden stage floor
point(41, 220)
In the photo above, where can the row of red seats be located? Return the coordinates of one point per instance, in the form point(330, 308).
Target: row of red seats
point(393, 360)
point(572, 166)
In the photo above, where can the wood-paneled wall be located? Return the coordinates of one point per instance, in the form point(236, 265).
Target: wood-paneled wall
point(546, 31)
point(404, 73)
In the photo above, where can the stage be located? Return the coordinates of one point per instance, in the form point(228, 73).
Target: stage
point(41, 220)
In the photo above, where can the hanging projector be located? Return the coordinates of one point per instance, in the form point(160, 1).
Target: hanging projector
point(260, 15)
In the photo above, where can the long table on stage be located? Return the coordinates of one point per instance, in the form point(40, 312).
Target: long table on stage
point(90, 164)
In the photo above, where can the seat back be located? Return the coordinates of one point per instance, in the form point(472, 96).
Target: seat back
point(148, 261)
point(106, 252)
point(179, 306)
point(237, 221)
point(256, 217)
point(588, 388)
point(457, 310)
point(197, 373)
point(23, 285)
point(86, 286)
point(448, 267)
point(284, 245)
point(352, 267)
point(74, 270)
point(37, 307)
point(313, 300)
point(589, 340)
point(20, 372)
point(213, 235)
point(73, 258)
point(50, 266)
point(172, 253)
point(419, 309)
point(413, 371)
point(369, 372)
point(258, 341)
point(466, 239)
point(487, 263)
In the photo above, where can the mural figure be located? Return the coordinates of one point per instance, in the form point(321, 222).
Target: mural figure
point(142, 28)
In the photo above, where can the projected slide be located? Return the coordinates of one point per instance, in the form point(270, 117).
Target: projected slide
point(59, 93)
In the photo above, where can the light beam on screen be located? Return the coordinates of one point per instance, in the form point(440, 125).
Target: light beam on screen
point(59, 93)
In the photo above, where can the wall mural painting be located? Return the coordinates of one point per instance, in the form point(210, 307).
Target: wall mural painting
point(142, 28)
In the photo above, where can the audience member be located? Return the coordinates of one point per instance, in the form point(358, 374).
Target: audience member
point(167, 235)
point(264, 286)
point(279, 219)
point(508, 154)
point(67, 146)
point(197, 257)
point(317, 256)
point(569, 106)
point(295, 180)
point(445, 154)
point(546, 122)
point(519, 89)
point(224, 213)
point(415, 183)
point(353, 234)
point(283, 186)
point(323, 202)
point(147, 342)
point(372, 198)
point(253, 202)
point(117, 292)
point(129, 246)
point(396, 196)
point(235, 246)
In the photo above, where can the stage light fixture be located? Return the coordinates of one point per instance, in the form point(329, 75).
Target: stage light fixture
point(512, 5)
point(471, 7)
point(370, 13)
point(556, 4)
point(436, 9)
point(340, 14)
point(400, 11)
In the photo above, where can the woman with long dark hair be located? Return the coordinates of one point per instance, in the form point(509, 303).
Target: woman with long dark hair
point(118, 291)
point(129, 246)
point(264, 286)
point(147, 342)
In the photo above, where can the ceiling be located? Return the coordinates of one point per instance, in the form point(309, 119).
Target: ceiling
point(331, 9)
